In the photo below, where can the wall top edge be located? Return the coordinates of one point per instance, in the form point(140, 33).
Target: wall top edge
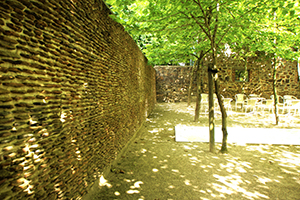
point(170, 66)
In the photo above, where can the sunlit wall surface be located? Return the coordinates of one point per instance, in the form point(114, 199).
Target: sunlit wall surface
point(74, 89)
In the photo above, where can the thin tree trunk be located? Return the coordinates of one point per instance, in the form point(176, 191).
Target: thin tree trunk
point(192, 74)
point(224, 117)
point(211, 109)
point(199, 85)
point(274, 79)
point(245, 74)
point(198, 101)
point(212, 69)
point(274, 65)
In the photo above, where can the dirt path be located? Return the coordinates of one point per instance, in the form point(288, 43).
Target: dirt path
point(154, 166)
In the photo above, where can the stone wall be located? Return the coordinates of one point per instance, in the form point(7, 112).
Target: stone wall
point(74, 89)
point(173, 81)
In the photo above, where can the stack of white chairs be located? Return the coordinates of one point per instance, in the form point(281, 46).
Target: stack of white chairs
point(291, 104)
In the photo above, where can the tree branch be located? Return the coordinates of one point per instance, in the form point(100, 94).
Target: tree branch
point(223, 35)
point(195, 55)
point(205, 16)
point(202, 10)
point(216, 25)
point(202, 27)
point(230, 13)
point(206, 52)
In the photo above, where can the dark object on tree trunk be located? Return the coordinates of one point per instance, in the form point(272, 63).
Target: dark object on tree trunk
point(214, 71)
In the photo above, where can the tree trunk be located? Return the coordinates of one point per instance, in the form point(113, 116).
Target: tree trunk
point(245, 75)
point(274, 65)
point(192, 74)
point(198, 101)
point(224, 117)
point(211, 109)
point(212, 69)
point(199, 65)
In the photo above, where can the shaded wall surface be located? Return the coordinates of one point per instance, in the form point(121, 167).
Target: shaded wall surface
point(173, 81)
point(74, 89)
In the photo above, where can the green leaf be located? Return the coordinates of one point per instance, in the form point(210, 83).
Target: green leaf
point(274, 9)
point(292, 13)
point(290, 5)
point(285, 11)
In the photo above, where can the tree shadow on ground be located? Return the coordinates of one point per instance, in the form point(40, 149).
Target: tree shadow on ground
point(156, 167)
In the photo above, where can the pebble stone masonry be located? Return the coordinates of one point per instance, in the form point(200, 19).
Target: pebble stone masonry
point(173, 81)
point(74, 90)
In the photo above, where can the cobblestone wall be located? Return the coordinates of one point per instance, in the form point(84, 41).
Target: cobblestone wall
point(74, 89)
point(173, 81)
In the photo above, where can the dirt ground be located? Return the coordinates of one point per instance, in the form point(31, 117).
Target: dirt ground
point(154, 166)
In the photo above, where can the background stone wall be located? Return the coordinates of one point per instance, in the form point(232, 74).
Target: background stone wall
point(74, 89)
point(173, 81)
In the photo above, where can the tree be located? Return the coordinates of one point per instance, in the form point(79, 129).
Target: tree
point(275, 34)
point(199, 69)
point(177, 26)
point(215, 19)
point(281, 27)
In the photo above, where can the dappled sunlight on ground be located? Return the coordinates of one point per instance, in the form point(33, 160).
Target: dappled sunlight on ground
point(262, 119)
point(157, 167)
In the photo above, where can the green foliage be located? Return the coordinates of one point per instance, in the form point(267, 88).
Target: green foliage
point(276, 32)
point(176, 30)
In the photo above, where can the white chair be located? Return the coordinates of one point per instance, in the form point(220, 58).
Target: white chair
point(286, 106)
point(269, 104)
point(253, 96)
point(293, 105)
point(251, 103)
point(287, 99)
point(239, 99)
point(259, 99)
point(279, 99)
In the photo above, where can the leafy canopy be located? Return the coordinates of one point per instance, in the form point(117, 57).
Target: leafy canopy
point(176, 30)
